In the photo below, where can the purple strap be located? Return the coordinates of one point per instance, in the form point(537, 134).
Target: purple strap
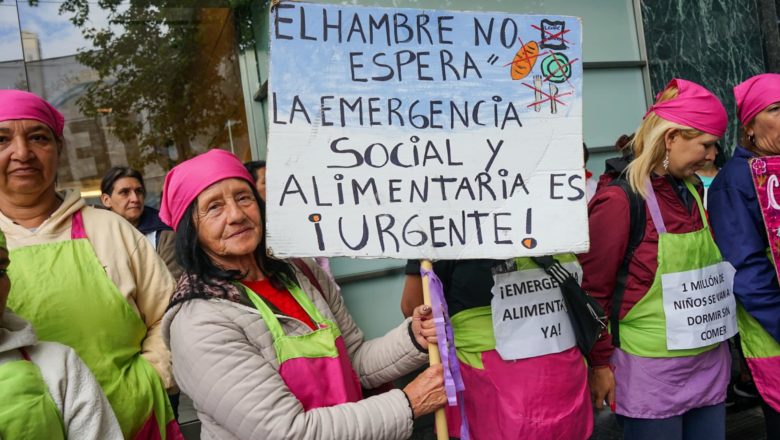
point(453, 381)
point(655, 211)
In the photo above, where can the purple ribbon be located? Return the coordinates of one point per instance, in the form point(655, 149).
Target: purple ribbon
point(453, 381)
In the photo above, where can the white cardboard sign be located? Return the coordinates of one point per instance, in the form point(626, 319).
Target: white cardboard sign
point(412, 133)
point(700, 307)
point(530, 318)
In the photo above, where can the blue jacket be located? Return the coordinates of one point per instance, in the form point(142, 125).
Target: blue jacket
point(150, 221)
point(739, 231)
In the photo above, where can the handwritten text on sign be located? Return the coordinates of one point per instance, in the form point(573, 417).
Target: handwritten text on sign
point(699, 306)
point(408, 133)
point(529, 313)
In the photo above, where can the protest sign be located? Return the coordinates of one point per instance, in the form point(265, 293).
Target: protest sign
point(411, 133)
point(699, 306)
point(530, 317)
point(766, 179)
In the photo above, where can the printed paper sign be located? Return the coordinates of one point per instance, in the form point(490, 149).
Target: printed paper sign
point(700, 307)
point(766, 179)
point(412, 133)
point(529, 313)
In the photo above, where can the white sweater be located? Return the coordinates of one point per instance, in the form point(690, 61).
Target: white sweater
point(85, 411)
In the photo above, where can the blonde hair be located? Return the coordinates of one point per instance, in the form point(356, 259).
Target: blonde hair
point(649, 144)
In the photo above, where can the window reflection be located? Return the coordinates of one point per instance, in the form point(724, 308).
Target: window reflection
point(139, 85)
point(12, 74)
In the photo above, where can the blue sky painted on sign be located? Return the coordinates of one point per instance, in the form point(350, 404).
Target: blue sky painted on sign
point(312, 69)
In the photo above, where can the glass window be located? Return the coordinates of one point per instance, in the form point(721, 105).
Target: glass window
point(613, 104)
point(139, 85)
point(12, 74)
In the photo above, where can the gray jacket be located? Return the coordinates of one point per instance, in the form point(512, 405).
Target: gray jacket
point(224, 359)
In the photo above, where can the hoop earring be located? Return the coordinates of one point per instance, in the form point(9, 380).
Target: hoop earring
point(666, 161)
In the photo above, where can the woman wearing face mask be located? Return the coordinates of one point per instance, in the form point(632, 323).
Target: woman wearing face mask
point(742, 238)
point(662, 378)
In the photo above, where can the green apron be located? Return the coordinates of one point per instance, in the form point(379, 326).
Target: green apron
point(315, 366)
point(64, 291)
point(320, 341)
point(27, 410)
point(643, 331)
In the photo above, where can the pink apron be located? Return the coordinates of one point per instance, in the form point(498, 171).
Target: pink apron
point(544, 397)
point(315, 366)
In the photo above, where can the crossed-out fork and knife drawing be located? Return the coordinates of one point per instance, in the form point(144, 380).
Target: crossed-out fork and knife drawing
point(539, 99)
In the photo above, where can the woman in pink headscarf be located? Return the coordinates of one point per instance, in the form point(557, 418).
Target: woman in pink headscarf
point(742, 237)
point(664, 365)
point(266, 349)
point(83, 277)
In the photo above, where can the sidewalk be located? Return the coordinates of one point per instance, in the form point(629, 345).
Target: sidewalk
point(743, 425)
point(747, 424)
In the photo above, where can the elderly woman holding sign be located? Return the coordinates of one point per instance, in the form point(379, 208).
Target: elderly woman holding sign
point(266, 349)
point(655, 268)
point(741, 234)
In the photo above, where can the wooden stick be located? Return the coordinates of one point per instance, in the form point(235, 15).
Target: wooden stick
point(434, 357)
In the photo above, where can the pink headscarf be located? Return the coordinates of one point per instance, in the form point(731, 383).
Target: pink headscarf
point(188, 179)
point(755, 94)
point(694, 107)
point(16, 104)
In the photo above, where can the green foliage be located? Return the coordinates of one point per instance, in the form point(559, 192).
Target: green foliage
point(239, 3)
point(244, 23)
point(161, 80)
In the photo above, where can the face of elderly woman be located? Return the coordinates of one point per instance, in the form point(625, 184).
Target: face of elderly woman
point(227, 218)
point(29, 155)
point(765, 129)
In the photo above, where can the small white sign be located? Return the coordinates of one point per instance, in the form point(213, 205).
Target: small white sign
point(529, 314)
point(700, 307)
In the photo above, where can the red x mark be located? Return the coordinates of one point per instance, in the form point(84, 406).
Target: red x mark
point(549, 97)
point(560, 68)
point(526, 58)
point(551, 35)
